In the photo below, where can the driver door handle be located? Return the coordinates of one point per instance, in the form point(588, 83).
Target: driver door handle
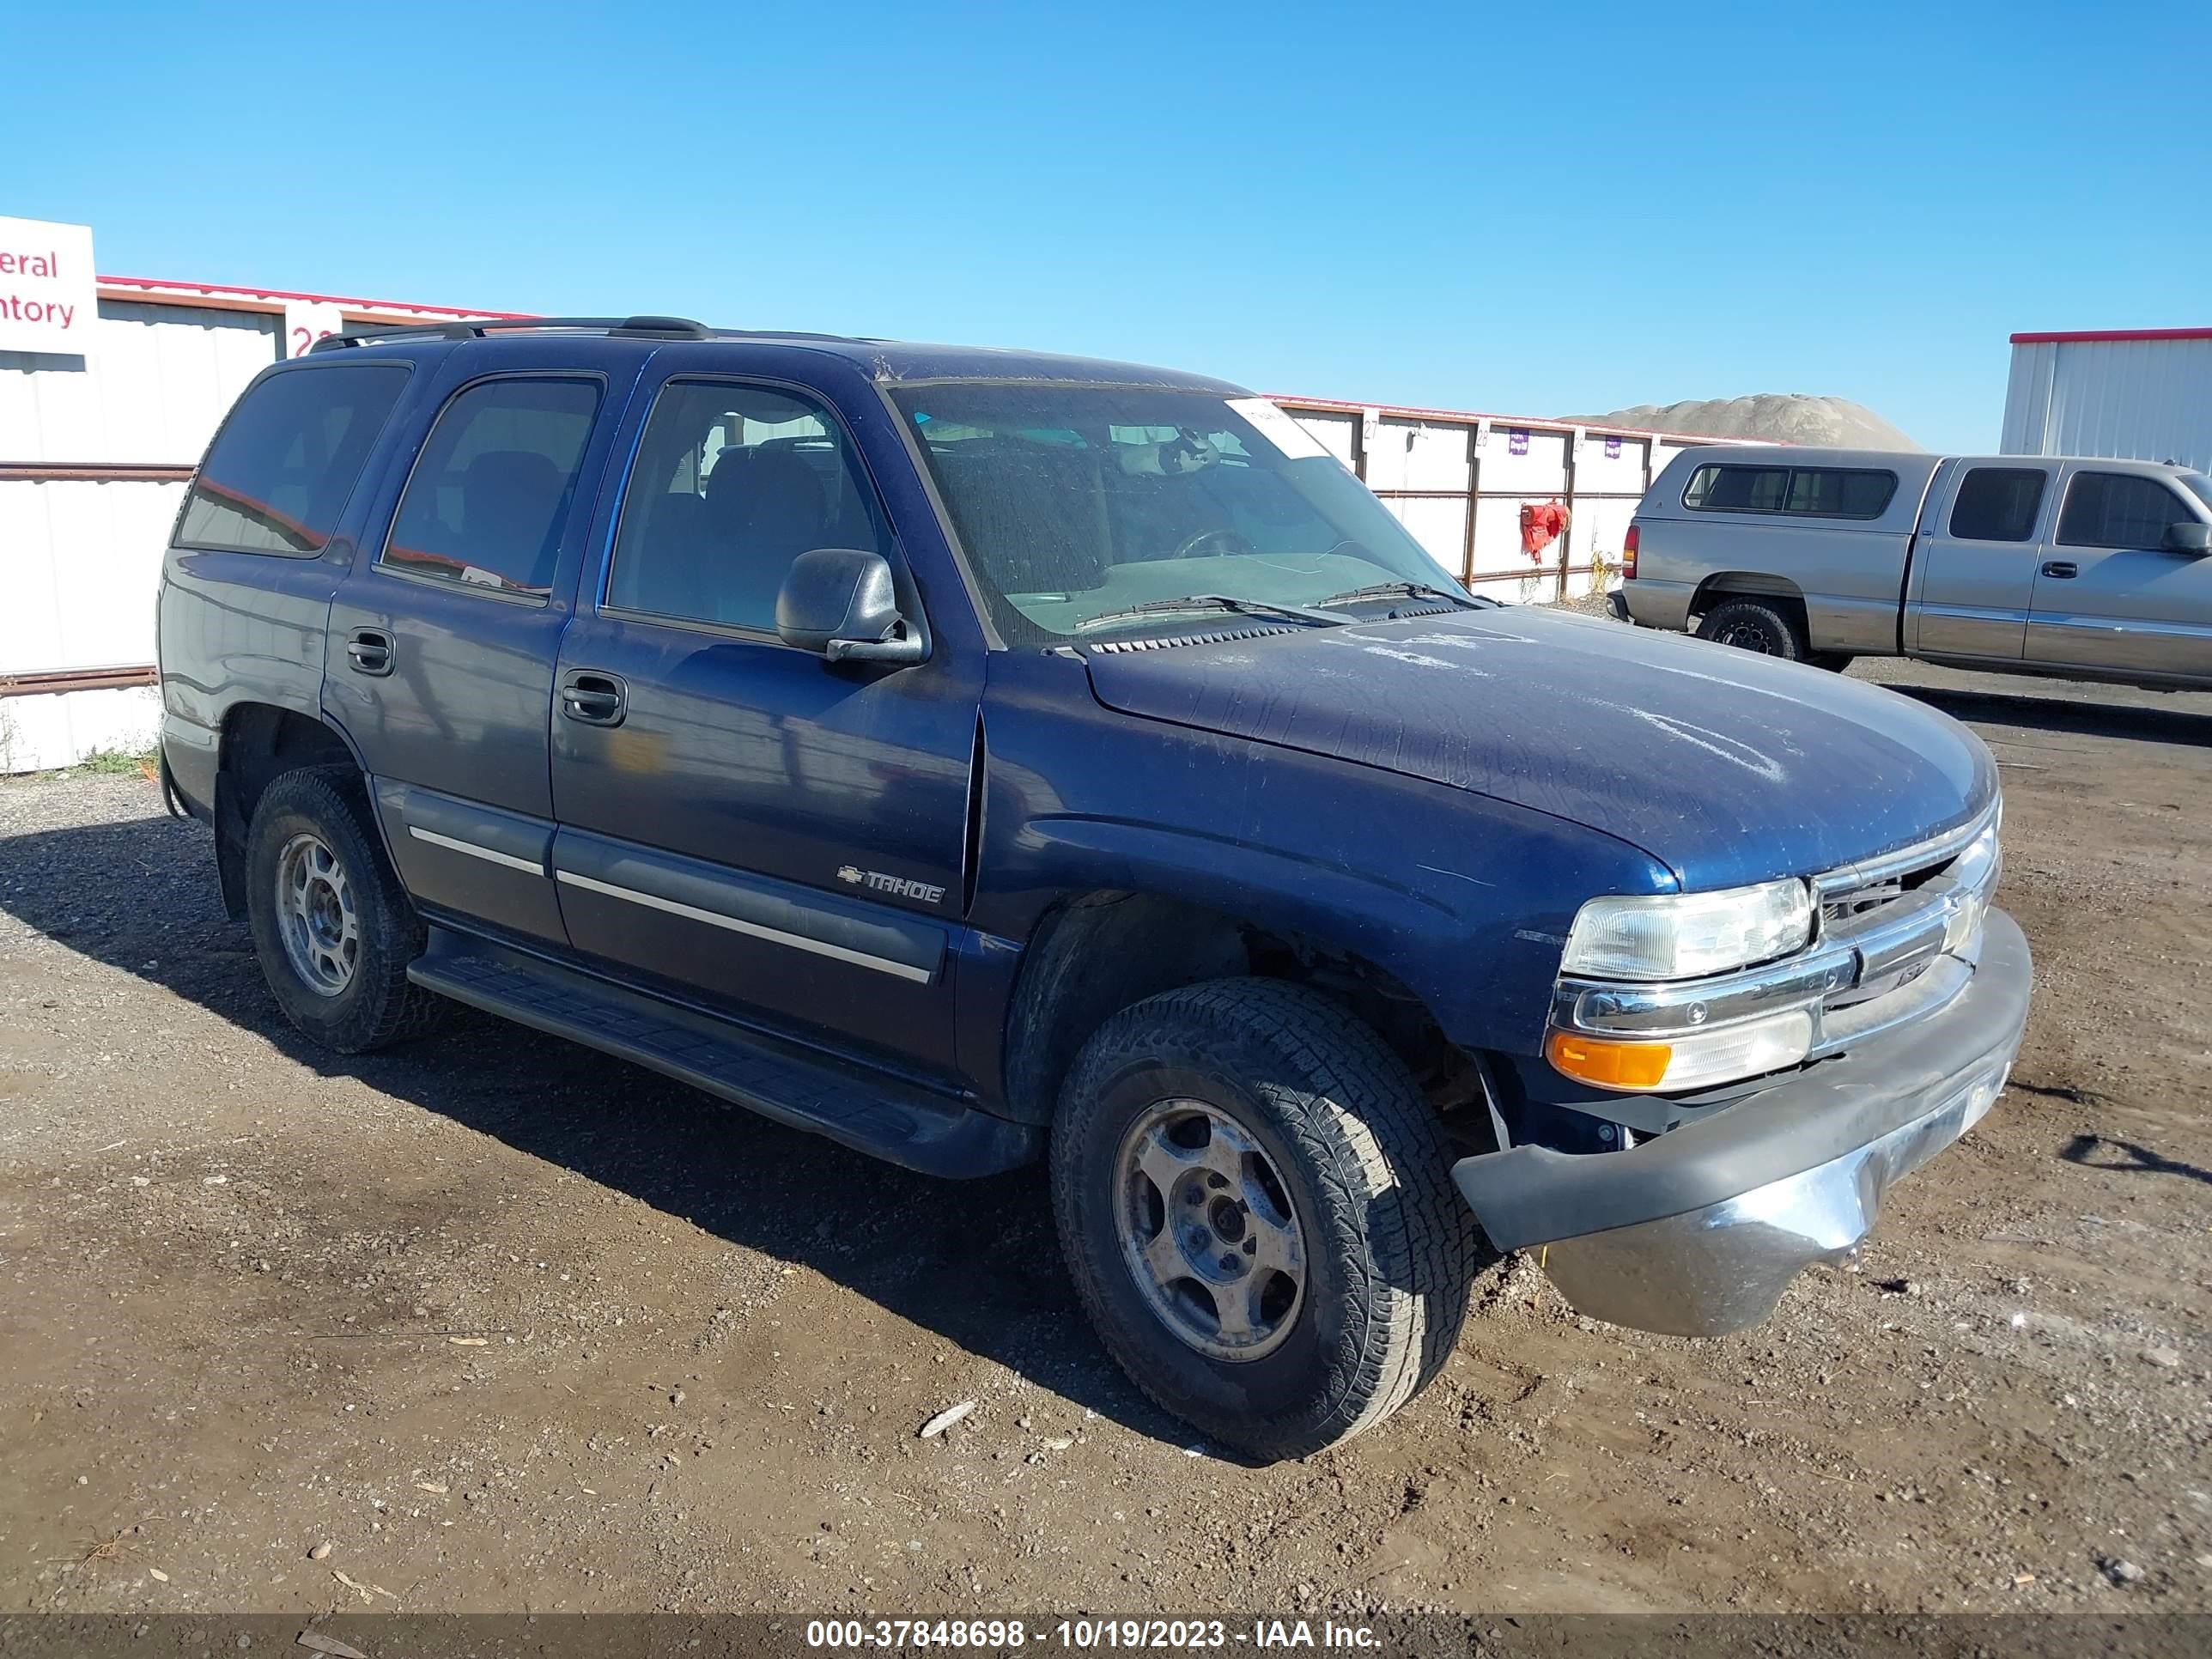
point(591, 697)
point(2062, 570)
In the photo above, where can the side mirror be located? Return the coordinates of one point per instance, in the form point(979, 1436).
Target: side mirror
point(2188, 536)
point(841, 602)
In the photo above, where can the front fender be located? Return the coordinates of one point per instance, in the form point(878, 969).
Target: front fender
point(1464, 899)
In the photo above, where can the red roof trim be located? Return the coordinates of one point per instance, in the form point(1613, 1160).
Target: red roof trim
point(2113, 334)
point(358, 304)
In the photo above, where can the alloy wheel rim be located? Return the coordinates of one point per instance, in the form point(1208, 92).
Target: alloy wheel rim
point(1208, 1230)
point(316, 916)
point(1747, 636)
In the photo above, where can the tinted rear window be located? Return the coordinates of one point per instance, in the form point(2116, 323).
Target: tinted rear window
point(1998, 504)
point(288, 458)
point(1807, 492)
point(490, 494)
point(1738, 489)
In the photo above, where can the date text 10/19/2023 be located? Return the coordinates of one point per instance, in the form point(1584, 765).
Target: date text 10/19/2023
point(1085, 1634)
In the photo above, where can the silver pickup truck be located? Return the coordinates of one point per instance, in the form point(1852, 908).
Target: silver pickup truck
point(2091, 569)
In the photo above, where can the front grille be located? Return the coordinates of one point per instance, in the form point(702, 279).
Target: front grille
point(1842, 906)
point(1899, 914)
point(1861, 901)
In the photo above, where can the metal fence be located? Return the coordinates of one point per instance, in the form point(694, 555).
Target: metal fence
point(1459, 481)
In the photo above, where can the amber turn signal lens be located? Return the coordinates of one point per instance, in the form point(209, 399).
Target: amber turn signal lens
point(1609, 1065)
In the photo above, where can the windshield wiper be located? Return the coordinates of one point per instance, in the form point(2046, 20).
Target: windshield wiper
point(1213, 602)
point(1402, 590)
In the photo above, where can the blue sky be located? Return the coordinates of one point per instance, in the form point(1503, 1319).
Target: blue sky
point(1527, 208)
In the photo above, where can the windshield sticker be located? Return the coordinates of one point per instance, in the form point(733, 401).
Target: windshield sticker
point(1293, 440)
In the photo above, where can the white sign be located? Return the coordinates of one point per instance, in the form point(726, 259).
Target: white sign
point(306, 321)
point(49, 295)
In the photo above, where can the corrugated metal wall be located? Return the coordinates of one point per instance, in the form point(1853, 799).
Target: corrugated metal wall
point(163, 377)
point(95, 454)
point(2146, 400)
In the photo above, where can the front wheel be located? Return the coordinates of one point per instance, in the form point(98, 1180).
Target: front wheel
point(1255, 1203)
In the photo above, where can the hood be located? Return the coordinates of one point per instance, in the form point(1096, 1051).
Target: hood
point(1726, 766)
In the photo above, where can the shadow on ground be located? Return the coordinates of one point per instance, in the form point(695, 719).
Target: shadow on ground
point(2128, 1156)
point(977, 1262)
point(2063, 714)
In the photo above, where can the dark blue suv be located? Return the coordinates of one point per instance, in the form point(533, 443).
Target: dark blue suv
point(977, 756)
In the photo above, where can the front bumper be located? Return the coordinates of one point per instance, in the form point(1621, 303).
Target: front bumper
point(1697, 1231)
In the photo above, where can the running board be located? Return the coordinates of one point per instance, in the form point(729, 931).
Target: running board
point(898, 1121)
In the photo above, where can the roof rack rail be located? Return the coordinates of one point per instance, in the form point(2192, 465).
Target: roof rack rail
point(626, 328)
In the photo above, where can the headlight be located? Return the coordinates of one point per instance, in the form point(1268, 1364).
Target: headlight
point(1687, 935)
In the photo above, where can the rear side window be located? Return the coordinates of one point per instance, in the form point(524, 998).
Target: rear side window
point(1998, 504)
point(1738, 489)
point(1835, 492)
point(2118, 509)
point(491, 491)
point(288, 458)
point(732, 484)
point(1808, 492)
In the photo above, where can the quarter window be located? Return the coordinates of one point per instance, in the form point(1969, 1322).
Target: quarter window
point(492, 491)
point(2118, 509)
point(287, 459)
point(731, 485)
point(1811, 492)
point(1998, 504)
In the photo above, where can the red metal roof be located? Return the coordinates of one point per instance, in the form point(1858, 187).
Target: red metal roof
point(2112, 334)
point(158, 284)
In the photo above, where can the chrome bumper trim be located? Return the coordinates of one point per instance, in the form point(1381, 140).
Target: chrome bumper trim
point(1721, 1268)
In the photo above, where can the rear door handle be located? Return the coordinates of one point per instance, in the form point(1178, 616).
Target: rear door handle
point(370, 650)
point(2062, 570)
point(593, 698)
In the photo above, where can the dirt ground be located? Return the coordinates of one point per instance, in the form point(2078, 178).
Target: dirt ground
point(507, 1325)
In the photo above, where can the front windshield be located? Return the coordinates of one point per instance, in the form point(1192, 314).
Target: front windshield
point(1078, 502)
point(2199, 486)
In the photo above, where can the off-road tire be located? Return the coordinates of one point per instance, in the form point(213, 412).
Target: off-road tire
point(378, 1006)
point(1391, 1248)
point(1758, 625)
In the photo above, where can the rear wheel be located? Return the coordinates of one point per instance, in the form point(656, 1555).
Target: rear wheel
point(331, 925)
point(1255, 1203)
point(1760, 625)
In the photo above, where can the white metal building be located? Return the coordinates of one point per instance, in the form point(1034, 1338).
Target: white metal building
point(2134, 394)
point(98, 442)
point(95, 450)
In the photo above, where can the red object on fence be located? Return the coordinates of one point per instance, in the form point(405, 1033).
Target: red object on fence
point(1540, 525)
